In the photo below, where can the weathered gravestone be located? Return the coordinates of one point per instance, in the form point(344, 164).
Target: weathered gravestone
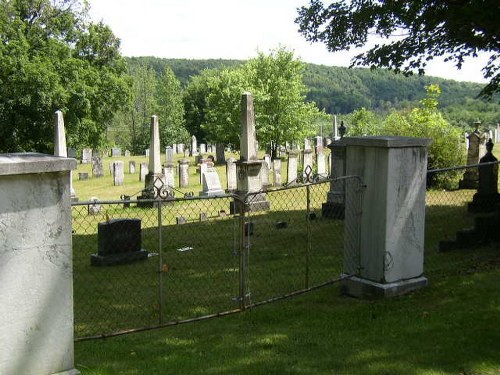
point(86, 155)
point(131, 167)
point(487, 198)
point(277, 172)
point(169, 155)
point(118, 242)
point(475, 140)
point(118, 173)
point(249, 167)
point(292, 166)
point(143, 171)
point(194, 146)
point(127, 153)
point(97, 166)
point(116, 152)
point(231, 174)
point(183, 173)
point(211, 183)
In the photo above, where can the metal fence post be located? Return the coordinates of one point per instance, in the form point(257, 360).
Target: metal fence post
point(242, 255)
point(308, 219)
point(160, 262)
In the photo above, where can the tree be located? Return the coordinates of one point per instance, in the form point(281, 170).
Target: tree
point(52, 59)
point(223, 114)
point(447, 147)
point(281, 111)
point(362, 122)
point(170, 109)
point(142, 108)
point(455, 29)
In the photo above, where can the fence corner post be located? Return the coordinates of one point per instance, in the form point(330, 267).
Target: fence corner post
point(388, 260)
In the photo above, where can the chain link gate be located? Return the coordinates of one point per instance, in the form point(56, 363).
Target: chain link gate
point(208, 256)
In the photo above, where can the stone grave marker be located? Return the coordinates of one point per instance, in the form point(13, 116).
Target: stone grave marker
point(169, 155)
point(194, 146)
point(146, 152)
point(118, 172)
point(231, 174)
point(127, 153)
point(180, 148)
point(131, 166)
point(97, 166)
point(203, 148)
point(86, 156)
point(321, 164)
point(83, 176)
point(118, 242)
point(169, 173)
point(292, 166)
point(277, 172)
point(219, 153)
point(116, 152)
point(183, 173)
point(143, 171)
point(211, 183)
point(308, 160)
point(94, 208)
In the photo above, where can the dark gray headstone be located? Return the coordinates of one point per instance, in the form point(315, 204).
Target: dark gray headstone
point(118, 242)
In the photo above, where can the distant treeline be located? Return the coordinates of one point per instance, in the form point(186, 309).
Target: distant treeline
point(340, 90)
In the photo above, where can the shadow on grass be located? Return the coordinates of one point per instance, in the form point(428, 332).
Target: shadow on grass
point(197, 271)
point(447, 328)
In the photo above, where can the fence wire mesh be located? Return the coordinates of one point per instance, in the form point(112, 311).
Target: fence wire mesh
point(206, 256)
point(211, 256)
point(460, 225)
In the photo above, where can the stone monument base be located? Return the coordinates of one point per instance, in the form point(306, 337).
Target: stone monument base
point(362, 288)
point(484, 202)
point(115, 259)
point(255, 202)
point(332, 210)
point(212, 193)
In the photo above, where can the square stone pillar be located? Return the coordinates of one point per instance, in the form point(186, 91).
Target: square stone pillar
point(36, 278)
point(387, 256)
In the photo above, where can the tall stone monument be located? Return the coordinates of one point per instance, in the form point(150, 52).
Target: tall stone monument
point(384, 236)
point(249, 166)
point(155, 174)
point(60, 147)
point(471, 176)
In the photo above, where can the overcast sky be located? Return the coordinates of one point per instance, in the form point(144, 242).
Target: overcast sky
point(227, 29)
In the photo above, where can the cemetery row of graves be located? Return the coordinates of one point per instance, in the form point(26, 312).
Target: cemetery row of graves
point(153, 260)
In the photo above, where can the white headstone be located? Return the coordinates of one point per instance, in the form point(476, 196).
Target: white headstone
point(248, 151)
point(211, 183)
point(154, 147)
point(118, 172)
point(231, 174)
point(194, 146)
point(59, 136)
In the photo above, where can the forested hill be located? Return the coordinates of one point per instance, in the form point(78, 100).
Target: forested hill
point(342, 90)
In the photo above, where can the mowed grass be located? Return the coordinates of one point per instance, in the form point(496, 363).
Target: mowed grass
point(450, 327)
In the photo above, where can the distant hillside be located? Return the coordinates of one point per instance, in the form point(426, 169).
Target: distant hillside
point(341, 90)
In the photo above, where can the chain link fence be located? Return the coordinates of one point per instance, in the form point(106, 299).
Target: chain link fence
point(461, 225)
point(210, 256)
point(200, 256)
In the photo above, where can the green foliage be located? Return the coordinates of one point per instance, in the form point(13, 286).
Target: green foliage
point(363, 122)
point(52, 59)
point(275, 81)
point(447, 147)
point(456, 30)
point(170, 109)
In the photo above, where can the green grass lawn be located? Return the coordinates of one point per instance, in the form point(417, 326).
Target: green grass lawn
point(450, 327)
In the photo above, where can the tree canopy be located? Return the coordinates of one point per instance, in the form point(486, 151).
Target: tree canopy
point(52, 59)
point(420, 31)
